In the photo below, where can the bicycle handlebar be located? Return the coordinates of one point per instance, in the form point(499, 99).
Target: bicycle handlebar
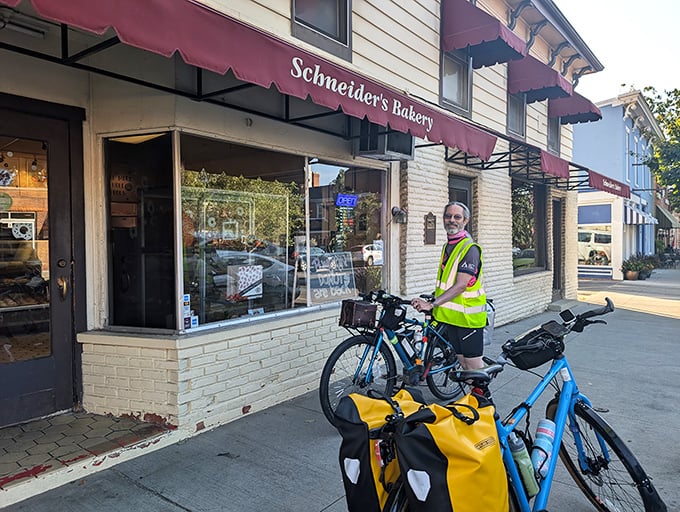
point(382, 297)
point(581, 321)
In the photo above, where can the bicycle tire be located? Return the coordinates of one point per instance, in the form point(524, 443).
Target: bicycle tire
point(438, 355)
point(618, 485)
point(397, 501)
point(337, 376)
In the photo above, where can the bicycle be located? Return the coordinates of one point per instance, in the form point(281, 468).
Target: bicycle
point(365, 362)
point(599, 462)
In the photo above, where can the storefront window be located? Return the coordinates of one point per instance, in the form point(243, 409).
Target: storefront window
point(594, 245)
point(248, 247)
point(528, 226)
point(141, 231)
point(261, 231)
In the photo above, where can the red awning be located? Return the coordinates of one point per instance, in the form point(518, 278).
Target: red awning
point(607, 184)
point(574, 109)
point(539, 81)
point(554, 165)
point(465, 26)
point(213, 41)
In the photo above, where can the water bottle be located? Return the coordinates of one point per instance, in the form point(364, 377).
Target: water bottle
point(543, 445)
point(401, 346)
point(521, 457)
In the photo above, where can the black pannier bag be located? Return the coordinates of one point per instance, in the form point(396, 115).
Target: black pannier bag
point(392, 316)
point(536, 347)
point(367, 454)
point(357, 313)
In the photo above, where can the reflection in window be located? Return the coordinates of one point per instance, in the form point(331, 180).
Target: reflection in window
point(246, 246)
point(528, 226)
point(594, 245)
point(456, 76)
point(517, 117)
point(141, 231)
point(554, 135)
point(325, 16)
point(325, 24)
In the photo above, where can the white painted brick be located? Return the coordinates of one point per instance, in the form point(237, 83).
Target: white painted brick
point(103, 370)
point(202, 360)
point(153, 353)
point(154, 374)
point(138, 362)
point(189, 353)
point(128, 372)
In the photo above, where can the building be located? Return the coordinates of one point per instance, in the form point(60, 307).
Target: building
point(612, 228)
point(203, 174)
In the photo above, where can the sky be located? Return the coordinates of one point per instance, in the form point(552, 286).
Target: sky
point(638, 43)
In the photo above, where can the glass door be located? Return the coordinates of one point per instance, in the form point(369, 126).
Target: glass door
point(36, 340)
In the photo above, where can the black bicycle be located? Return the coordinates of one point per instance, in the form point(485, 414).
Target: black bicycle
point(365, 361)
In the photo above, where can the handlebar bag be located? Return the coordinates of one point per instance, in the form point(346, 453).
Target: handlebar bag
point(536, 348)
point(367, 457)
point(450, 458)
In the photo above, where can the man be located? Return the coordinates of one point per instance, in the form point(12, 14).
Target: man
point(460, 301)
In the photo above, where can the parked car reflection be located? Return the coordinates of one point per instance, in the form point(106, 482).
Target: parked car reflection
point(368, 255)
point(234, 283)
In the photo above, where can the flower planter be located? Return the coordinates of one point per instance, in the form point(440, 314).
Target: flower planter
point(631, 275)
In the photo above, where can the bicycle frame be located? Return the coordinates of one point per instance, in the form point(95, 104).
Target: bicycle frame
point(569, 395)
point(382, 334)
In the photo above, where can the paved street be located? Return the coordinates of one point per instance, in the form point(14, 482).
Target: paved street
point(285, 458)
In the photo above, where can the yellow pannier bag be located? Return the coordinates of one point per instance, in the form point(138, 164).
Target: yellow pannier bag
point(450, 458)
point(367, 455)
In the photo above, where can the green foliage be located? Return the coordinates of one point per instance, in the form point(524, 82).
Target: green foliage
point(265, 210)
point(522, 215)
point(666, 160)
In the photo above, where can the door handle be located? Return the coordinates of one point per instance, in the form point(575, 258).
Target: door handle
point(62, 283)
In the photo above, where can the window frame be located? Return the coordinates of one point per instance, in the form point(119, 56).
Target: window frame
point(306, 32)
point(522, 116)
point(554, 143)
point(540, 202)
point(465, 63)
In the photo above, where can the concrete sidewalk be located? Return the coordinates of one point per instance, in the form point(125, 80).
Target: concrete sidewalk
point(285, 458)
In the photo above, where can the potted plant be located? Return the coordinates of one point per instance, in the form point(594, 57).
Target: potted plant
point(631, 268)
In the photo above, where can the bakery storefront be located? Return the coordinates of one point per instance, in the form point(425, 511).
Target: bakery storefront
point(179, 220)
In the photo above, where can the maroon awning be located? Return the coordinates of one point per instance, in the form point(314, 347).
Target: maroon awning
point(210, 40)
point(465, 26)
point(607, 184)
point(574, 109)
point(539, 81)
point(552, 164)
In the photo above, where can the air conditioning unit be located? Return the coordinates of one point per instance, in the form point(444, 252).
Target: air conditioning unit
point(374, 141)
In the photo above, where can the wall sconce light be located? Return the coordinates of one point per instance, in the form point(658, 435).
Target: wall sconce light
point(34, 164)
point(399, 215)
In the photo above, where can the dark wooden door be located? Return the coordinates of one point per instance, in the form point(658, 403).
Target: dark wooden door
point(37, 327)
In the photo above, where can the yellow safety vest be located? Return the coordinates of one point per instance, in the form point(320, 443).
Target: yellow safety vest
point(469, 308)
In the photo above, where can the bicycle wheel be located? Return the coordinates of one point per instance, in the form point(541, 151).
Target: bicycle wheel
point(440, 356)
point(346, 369)
point(614, 481)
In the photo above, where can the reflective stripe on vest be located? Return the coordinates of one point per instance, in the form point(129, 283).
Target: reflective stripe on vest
point(469, 308)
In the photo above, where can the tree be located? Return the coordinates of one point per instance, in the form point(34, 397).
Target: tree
point(666, 160)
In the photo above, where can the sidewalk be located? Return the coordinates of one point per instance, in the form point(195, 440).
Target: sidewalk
point(285, 458)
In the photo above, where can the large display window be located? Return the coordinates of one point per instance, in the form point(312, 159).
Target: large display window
point(260, 232)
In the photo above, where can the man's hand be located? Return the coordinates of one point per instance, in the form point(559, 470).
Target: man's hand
point(421, 305)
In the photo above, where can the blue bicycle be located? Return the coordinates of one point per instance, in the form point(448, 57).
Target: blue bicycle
point(600, 463)
point(365, 362)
